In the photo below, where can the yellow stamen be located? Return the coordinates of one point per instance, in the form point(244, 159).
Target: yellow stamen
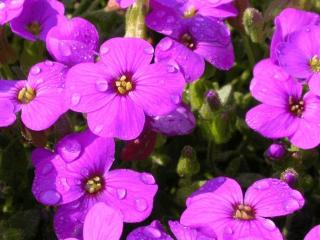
point(34, 28)
point(244, 212)
point(94, 185)
point(190, 12)
point(26, 95)
point(123, 85)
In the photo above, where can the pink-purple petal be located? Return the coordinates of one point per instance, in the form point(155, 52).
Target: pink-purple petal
point(154, 231)
point(102, 222)
point(7, 116)
point(313, 234)
point(187, 233)
point(9, 10)
point(130, 192)
point(307, 135)
point(272, 197)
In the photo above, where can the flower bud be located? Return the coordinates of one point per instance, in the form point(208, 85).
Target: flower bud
point(290, 176)
point(211, 104)
point(188, 164)
point(254, 25)
point(275, 151)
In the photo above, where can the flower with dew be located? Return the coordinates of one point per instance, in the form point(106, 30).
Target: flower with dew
point(313, 234)
point(288, 22)
point(190, 42)
point(73, 41)
point(284, 112)
point(9, 9)
point(41, 99)
point(77, 175)
point(119, 90)
point(37, 18)
point(219, 206)
point(300, 56)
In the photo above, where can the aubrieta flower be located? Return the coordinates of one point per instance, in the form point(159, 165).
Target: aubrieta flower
point(7, 116)
point(219, 206)
point(125, 3)
point(37, 18)
point(9, 9)
point(191, 41)
point(288, 22)
point(118, 91)
point(41, 98)
point(300, 56)
point(77, 175)
point(73, 41)
point(284, 111)
point(313, 234)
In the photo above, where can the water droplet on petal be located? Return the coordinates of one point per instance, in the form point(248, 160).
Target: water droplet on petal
point(152, 232)
point(48, 63)
point(141, 204)
point(35, 70)
point(176, 98)
point(166, 44)
point(102, 85)
point(65, 49)
point(147, 178)
point(46, 169)
point(2, 5)
point(50, 197)
point(121, 193)
point(65, 184)
point(261, 185)
point(172, 69)
point(269, 225)
point(149, 50)
point(104, 50)
point(291, 205)
point(70, 150)
point(228, 231)
point(98, 129)
point(84, 172)
point(75, 99)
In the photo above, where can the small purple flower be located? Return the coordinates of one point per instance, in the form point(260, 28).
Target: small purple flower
point(33, 24)
point(125, 3)
point(191, 42)
point(179, 122)
point(152, 232)
point(9, 9)
point(300, 56)
point(118, 91)
point(275, 151)
point(220, 207)
point(8, 115)
point(290, 176)
point(73, 41)
point(76, 176)
point(288, 22)
point(313, 234)
point(41, 98)
point(284, 112)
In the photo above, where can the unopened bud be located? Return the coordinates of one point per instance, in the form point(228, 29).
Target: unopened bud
point(275, 151)
point(211, 104)
point(188, 164)
point(290, 176)
point(254, 25)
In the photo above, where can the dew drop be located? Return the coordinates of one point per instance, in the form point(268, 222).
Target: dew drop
point(35, 70)
point(141, 204)
point(104, 50)
point(14, 4)
point(46, 169)
point(48, 63)
point(65, 49)
point(121, 193)
point(291, 205)
point(152, 232)
point(102, 85)
point(98, 129)
point(70, 150)
point(269, 225)
point(40, 80)
point(50, 197)
point(228, 231)
point(75, 99)
point(147, 179)
point(2, 5)
point(149, 50)
point(176, 98)
point(65, 184)
point(261, 185)
point(172, 69)
point(166, 44)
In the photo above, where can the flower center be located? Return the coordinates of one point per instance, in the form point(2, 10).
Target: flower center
point(244, 212)
point(296, 107)
point(190, 12)
point(94, 185)
point(188, 41)
point(26, 95)
point(34, 28)
point(123, 85)
point(314, 64)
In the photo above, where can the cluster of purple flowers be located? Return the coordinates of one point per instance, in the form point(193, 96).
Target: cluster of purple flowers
point(127, 88)
point(287, 83)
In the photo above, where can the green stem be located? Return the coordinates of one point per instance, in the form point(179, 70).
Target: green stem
point(248, 50)
point(5, 69)
point(135, 16)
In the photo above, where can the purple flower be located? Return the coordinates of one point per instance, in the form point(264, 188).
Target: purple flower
point(76, 176)
point(314, 233)
point(73, 41)
point(41, 98)
point(125, 3)
point(284, 112)
point(290, 176)
point(275, 151)
point(152, 232)
point(118, 91)
point(33, 24)
point(300, 56)
point(9, 9)
point(7, 116)
point(182, 232)
point(179, 122)
point(220, 207)
point(288, 22)
point(191, 42)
